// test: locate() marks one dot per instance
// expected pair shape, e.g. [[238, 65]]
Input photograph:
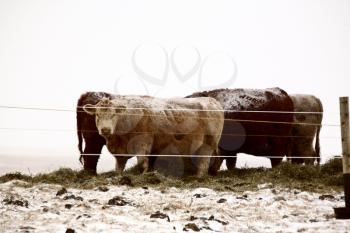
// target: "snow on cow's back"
[[193, 104], [245, 99]]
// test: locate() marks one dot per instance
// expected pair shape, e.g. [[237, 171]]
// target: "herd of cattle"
[[203, 129]]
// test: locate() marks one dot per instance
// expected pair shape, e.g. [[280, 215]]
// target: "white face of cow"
[[106, 116]]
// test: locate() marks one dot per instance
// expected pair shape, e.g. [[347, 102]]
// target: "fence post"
[[344, 213]]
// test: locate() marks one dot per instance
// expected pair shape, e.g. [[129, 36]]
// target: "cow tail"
[[79, 132], [317, 143]]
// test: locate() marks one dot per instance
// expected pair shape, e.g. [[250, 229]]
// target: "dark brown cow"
[[87, 131], [253, 124]]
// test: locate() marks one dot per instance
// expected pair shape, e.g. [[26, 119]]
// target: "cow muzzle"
[[106, 132]]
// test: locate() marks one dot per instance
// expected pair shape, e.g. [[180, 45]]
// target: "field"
[[289, 198]]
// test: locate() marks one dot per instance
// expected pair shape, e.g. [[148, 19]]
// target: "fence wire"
[[79, 109], [163, 155], [190, 133], [156, 109], [226, 119]]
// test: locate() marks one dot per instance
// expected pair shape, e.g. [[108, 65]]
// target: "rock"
[[244, 197], [69, 230], [118, 201], [280, 198], [27, 228], [45, 209], [11, 201], [212, 218], [160, 215], [146, 188], [69, 197], [125, 180], [95, 201], [327, 197], [84, 215], [61, 192], [192, 218], [191, 226], [199, 195], [103, 189], [68, 206], [222, 200]]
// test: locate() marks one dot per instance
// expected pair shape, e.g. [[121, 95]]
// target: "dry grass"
[[307, 178]]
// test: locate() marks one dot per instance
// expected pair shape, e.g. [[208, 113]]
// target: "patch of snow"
[[266, 210]]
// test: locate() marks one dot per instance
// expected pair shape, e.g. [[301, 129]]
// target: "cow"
[[257, 122], [308, 114], [143, 125], [87, 131]]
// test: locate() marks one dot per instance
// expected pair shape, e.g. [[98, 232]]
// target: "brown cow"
[[87, 131], [255, 123], [307, 126], [142, 125]]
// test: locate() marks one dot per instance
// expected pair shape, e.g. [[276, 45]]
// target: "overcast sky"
[[52, 51]]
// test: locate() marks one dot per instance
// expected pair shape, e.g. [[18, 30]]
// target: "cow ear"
[[89, 109], [120, 109]]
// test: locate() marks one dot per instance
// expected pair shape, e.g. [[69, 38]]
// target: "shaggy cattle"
[[143, 125], [306, 128], [256, 123], [87, 131]]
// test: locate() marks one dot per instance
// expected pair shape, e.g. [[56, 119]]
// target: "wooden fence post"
[[344, 213]]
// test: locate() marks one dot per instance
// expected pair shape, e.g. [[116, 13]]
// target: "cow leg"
[[276, 158], [310, 156], [151, 162], [297, 160], [188, 166], [215, 163], [230, 161], [295, 155], [92, 151], [202, 163], [275, 162], [143, 163], [120, 163], [141, 145]]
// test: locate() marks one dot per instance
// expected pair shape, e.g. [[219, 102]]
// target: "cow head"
[[106, 115]]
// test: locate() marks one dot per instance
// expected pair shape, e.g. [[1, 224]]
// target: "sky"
[[53, 51]]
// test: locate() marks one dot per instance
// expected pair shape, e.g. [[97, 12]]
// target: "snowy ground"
[[48, 208]]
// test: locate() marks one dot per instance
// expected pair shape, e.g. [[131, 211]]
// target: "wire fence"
[[199, 110], [168, 133], [156, 109], [79, 109], [162, 155]]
